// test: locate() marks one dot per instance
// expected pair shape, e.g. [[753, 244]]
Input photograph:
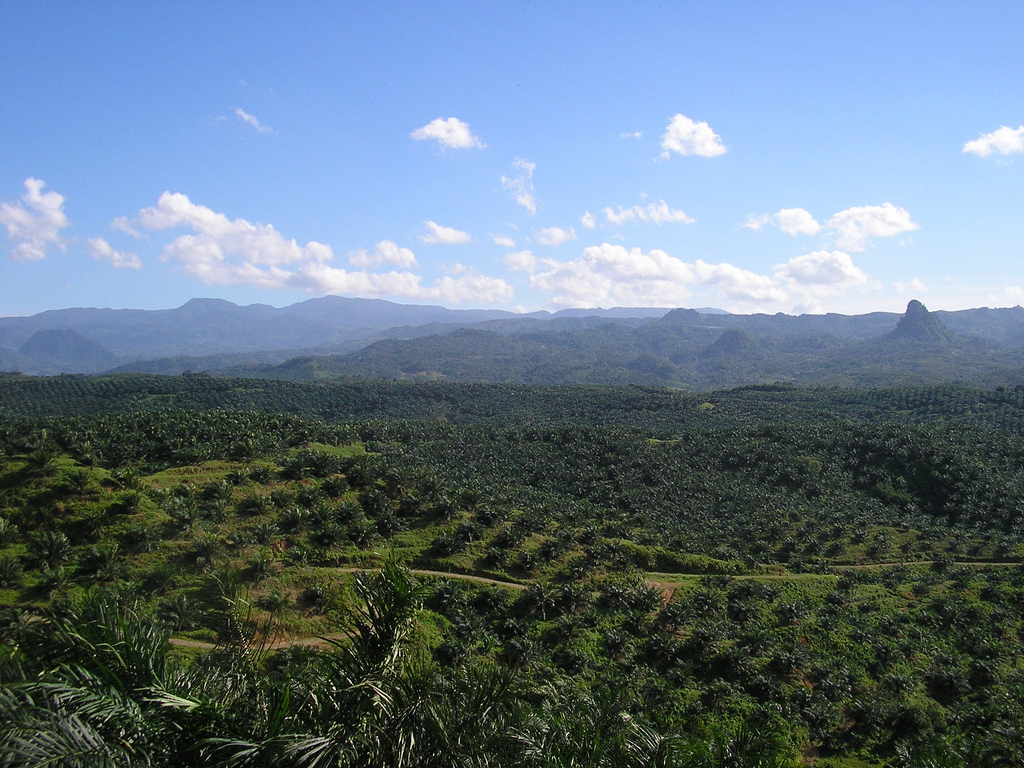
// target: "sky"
[[755, 157]]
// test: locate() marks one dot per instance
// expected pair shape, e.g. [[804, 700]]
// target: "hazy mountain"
[[205, 330], [690, 349], [336, 336]]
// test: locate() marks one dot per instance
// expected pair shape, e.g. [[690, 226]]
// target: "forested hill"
[[753, 577], [638, 407], [761, 576], [696, 351], [212, 333]]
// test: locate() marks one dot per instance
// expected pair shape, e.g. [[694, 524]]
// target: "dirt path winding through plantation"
[[322, 641], [660, 582]]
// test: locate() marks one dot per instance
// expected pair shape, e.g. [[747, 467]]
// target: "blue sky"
[[758, 157]]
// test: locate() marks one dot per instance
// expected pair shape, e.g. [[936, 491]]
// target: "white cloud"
[[656, 213], [218, 241], [503, 241], [321, 279], [633, 135], [556, 236], [588, 221], [792, 221], [448, 133], [439, 235], [687, 137], [101, 250], [520, 184], [608, 274], [1003, 140], [521, 261], [824, 272], [221, 251], [856, 226], [385, 252], [34, 224], [739, 284], [245, 117], [853, 227]]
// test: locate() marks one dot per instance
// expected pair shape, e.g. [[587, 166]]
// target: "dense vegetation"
[[207, 571], [694, 351]]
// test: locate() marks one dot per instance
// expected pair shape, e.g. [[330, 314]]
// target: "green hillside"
[[589, 576]]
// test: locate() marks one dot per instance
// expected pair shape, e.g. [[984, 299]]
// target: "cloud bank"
[[607, 274], [222, 251]]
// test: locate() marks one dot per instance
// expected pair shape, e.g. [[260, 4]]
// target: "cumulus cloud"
[[245, 117], [322, 279], [823, 271], [219, 241], [1004, 140], [503, 241], [610, 274], [34, 224], [631, 135], [222, 251], [448, 133], [588, 221], [656, 213], [555, 236], [853, 228], [856, 226], [688, 137], [385, 252], [792, 221], [439, 235], [739, 284], [520, 184], [521, 261], [101, 250]]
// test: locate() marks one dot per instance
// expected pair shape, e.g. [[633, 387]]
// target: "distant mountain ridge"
[[335, 336], [688, 349], [214, 327]]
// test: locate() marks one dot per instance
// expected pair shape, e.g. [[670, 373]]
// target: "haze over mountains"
[[335, 336], [212, 327]]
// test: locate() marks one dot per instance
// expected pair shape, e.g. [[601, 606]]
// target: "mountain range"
[[691, 348], [211, 333]]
